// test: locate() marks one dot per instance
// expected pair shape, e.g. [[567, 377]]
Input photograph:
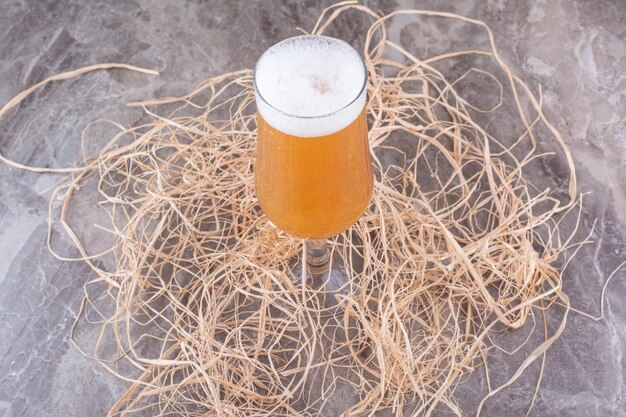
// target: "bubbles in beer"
[[310, 85]]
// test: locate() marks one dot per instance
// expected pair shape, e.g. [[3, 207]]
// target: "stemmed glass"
[[313, 170]]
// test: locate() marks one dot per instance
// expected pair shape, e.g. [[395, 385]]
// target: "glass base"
[[329, 285], [326, 274]]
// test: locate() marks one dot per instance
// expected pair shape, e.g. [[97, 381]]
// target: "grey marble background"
[[574, 48]]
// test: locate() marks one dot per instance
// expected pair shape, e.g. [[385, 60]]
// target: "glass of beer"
[[313, 170]]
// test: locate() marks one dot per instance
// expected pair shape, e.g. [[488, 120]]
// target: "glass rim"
[[321, 116]]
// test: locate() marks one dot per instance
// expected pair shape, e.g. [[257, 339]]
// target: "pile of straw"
[[201, 313]]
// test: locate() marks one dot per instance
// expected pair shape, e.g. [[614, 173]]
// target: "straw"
[[202, 312]]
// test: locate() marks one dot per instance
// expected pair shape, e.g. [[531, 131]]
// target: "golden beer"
[[314, 187]]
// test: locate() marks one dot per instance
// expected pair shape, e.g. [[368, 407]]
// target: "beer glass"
[[313, 171]]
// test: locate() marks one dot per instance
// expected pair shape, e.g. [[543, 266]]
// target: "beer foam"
[[310, 85]]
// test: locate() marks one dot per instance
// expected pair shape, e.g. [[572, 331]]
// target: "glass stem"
[[317, 259]]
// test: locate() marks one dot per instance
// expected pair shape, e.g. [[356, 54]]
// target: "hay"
[[201, 304]]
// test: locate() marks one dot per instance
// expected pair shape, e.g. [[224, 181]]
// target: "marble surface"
[[574, 48]]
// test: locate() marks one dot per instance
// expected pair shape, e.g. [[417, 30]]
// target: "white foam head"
[[310, 85]]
